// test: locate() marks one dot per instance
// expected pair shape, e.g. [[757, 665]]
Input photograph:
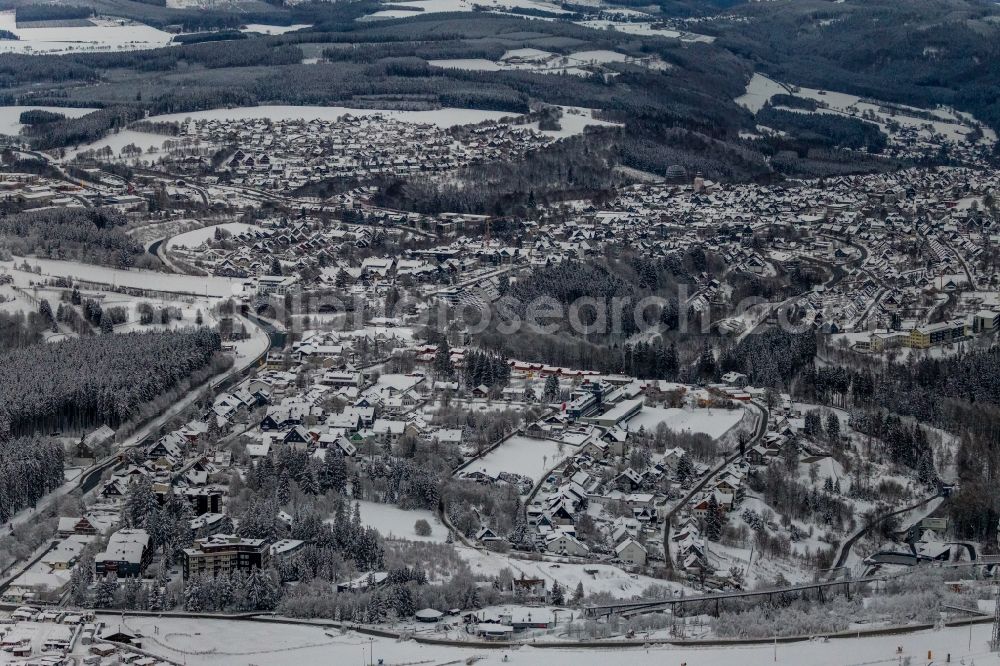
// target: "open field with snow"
[[196, 237], [647, 29], [712, 422], [140, 279], [395, 523], [118, 140], [522, 455], [10, 122], [200, 642], [574, 120], [418, 7], [468, 64], [274, 29], [760, 90], [152, 143], [581, 63], [106, 34], [946, 122]]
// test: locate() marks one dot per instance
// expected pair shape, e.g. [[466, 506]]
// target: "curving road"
[[668, 519], [847, 544]]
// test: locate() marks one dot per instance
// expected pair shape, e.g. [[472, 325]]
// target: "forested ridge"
[[919, 52], [82, 383]]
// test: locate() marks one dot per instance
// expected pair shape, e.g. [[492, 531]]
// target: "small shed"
[[428, 615]]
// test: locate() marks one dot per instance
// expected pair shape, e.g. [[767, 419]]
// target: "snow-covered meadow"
[[444, 118], [951, 124], [393, 522], [596, 578], [195, 237], [104, 34], [712, 422], [410, 8], [524, 456], [647, 29], [140, 279], [264, 29], [10, 116]]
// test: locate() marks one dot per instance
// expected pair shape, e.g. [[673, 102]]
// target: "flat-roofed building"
[[224, 553]]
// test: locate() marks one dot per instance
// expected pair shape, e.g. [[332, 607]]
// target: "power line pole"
[[995, 641]]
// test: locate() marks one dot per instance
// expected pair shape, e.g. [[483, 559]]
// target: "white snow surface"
[[274, 29], [107, 34], [647, 29], [759, 90], [522, 455], [10, 116], [118, 140], [195, 237], [712, 422], [140, 279], [395, 523], [203, 642], [595, 577], [418, 7]]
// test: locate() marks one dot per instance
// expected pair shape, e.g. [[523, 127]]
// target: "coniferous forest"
[[105, 379], [30, 467]]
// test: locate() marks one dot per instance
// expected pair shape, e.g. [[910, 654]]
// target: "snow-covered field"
[[11, 301], [469, 64], [522, 455], [395, 523], [760, 90], [447, 117], [573, 121], [274, 29], [443, 118], [196, 237], [201, 642], [712, 422], [545, 62], [418, 7], [118, 140], [107, 34], [948, 123], [10, 116], [140, 279], [647, 29]]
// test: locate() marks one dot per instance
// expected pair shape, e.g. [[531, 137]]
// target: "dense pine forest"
[[93, 235], [30, 467], [82, 383]]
